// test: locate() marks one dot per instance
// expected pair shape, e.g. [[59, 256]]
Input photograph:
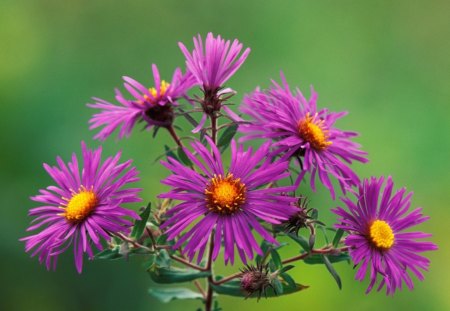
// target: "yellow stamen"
[[225, 195], [80, 205], [313, 131], [381, 234], [162, 90]]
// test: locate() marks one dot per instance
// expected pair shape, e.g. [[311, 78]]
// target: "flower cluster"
[[214, 207]]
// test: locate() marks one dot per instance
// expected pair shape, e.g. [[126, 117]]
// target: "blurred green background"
[[387, 62]]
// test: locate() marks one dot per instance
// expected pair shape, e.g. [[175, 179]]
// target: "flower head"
[[213, 64], [153, 105], [300, 130], [376, 223], [229, 203], [81, 208], [256, 279]]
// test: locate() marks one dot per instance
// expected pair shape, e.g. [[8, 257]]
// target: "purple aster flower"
[[376, 223], [300, 130], [225, 204], [81, 208], [153, 105], [212, 65]]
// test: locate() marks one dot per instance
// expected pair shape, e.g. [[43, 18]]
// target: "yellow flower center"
[[80, 205], [381, 234], [225, 195], [313, 131], [162, 90]]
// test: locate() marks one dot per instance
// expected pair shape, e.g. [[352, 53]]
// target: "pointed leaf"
[[288, 279], [300, 240], [176, 275], [233, 288], [332, 271], [162, 259], [169, 153], [109, 254], [183, 157], [276, 283], [188, 117], [227, 136], [139, 225], [168, 294], [318, 258], [337, 237]]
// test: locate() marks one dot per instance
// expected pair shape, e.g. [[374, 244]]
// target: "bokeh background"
[[387, 62]]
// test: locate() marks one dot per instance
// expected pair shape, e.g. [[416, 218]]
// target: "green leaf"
[[276, 258], [312, 241], [169, 153], [227, 136], [162, 259], [188, 117], [176, 275], [183, 157], [148, 264], [332, 271], [276, 283], [286, 268], [168, 294], [216, 306], [314, 214], [267, 247], [324, 234], [109, 254], [300, 240], [288, 279], [233, 288], [318, 258], [155, 131], [337, 237], [139, 225]]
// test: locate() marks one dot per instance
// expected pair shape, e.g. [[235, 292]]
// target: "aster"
[[225, 204], [154, 105], [377, 239], [82, 208], [300, 130], [212, 65]]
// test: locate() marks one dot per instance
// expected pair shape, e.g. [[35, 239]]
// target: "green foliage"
[[109, 254], [233, 288], [226, 137], [332, 271], [169, 275], [140, 224], [300, 240], [337, 237], [168, 294], [183, 157], [318, 258]]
